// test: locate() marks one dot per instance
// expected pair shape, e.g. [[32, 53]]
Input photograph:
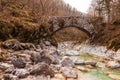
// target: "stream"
[[96, 53], [70, 61]]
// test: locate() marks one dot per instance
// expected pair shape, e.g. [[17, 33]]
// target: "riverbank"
[[67, 62], [86, 47]]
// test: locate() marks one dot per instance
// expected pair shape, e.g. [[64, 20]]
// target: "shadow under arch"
[[74, 26]]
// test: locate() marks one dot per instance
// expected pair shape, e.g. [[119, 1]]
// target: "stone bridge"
[[82, 23]]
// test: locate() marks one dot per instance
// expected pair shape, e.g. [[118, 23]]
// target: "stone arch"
[[78, 27]]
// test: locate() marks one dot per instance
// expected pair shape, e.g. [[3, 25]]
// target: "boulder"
[[82, 68], [55, 57], [90, 62], [3, 55], [55, 68], [67, 62], [47, 43], [9, 77], [11, 44], [18, 62], [79, 62], [27, 46], [16, 45], [10, 70], [5, 66], [21, 73], [113, 64], [58, 77], [100, 64], [26, 57], [41, 57], [69, 73], [114, 76], [41, 68], [37, 77]]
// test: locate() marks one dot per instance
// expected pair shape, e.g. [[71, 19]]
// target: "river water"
[[88, 48], [99, 72]]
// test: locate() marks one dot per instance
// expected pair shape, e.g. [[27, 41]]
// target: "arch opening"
[[71, 33]]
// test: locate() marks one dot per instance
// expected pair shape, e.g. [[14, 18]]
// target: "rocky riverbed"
[[69, 61]]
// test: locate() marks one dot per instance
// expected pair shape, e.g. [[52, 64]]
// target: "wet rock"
[[114, 76], [9, 77], [41, 68], [72, 53], [41, 57], [69, 73], [66, 62], [113, 64], [21, 73], [82, 68], [90, 62], [18, 62]]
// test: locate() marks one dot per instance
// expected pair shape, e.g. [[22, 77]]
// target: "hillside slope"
[[108, 35]]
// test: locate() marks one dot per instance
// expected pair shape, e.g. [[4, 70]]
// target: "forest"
[[108, 10]]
